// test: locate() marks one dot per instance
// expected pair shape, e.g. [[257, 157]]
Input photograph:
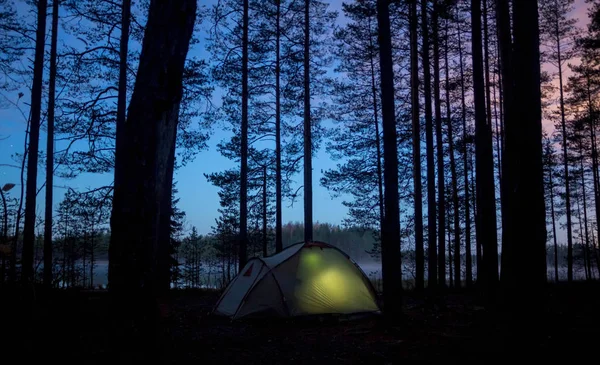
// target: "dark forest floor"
[[74, 327]]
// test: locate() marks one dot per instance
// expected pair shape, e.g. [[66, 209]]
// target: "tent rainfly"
[[304, 279]]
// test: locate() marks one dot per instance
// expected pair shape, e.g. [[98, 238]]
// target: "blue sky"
[[199, 199]]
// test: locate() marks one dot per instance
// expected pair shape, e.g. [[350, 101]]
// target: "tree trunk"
[[12, 274], [563, 124], [243, 240], [508, 101], [594, 148], [390, 245], [142, 180], [163, 270], [377, 141], [120, 141], [431, 207], [524, 226], [27, 274], [416, 136], [468, 255], [455, 203], [50, 150], [278, 206], [92, 258], [264, 213], [553, 227], [486, 60], [586, 256], [4, 234], [440, 149], [308, 218], [582, 243], [84, 257], [485, 224]]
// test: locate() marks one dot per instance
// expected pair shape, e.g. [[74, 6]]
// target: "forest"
[[461, 142]]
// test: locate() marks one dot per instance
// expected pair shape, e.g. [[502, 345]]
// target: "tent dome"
[[303, 279]]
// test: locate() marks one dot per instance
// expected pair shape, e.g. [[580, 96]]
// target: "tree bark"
[[431, 204], [586, 256], [485, 224], [27, 274], [553, 227], [278, 205], [142, 180], [508, 100], [453, 176], [265, 241], [390, 245], [243, 240], [50, 150], [377, 140], [440, 149], [468, 254], [308, 211], [416, 141], [594, 148]]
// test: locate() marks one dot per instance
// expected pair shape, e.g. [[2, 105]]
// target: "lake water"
[[371, 269]]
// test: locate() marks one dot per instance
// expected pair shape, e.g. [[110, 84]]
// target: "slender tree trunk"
[[390, 245], [120, 142], [506, 66], [594, 148], [485, 223], [244, 148], [581, 238], [586, 256], [50, 150], [308, 211], [497, 122], [431, 204], [27, 274], [553, 227], [264, 213], [453, 175], [486, 60], [563, 125], [450, 272], [440, 148], [92, 258], [416, 140], [468, 255], [84, 257], [278, 206], [4, 234], [12, 274], [377, 140]]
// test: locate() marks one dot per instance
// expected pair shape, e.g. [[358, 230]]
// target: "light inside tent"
[[329, 283]]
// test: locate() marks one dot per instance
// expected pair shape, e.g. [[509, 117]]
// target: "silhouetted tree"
[[431, 204], [34, 140], [141, 170], [50, 149], [390, 245], [485, 195], [556, 32]]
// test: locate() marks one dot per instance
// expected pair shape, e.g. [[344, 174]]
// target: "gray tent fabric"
[[304, 279]]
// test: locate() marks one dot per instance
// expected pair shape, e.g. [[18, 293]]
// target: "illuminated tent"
[[304, 279]]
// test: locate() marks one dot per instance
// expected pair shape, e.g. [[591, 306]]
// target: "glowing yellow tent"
[[304, 279]]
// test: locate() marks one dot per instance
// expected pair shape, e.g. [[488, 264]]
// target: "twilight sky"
[[198, 198]]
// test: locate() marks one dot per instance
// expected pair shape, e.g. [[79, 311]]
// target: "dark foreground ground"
[[74, 327]]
